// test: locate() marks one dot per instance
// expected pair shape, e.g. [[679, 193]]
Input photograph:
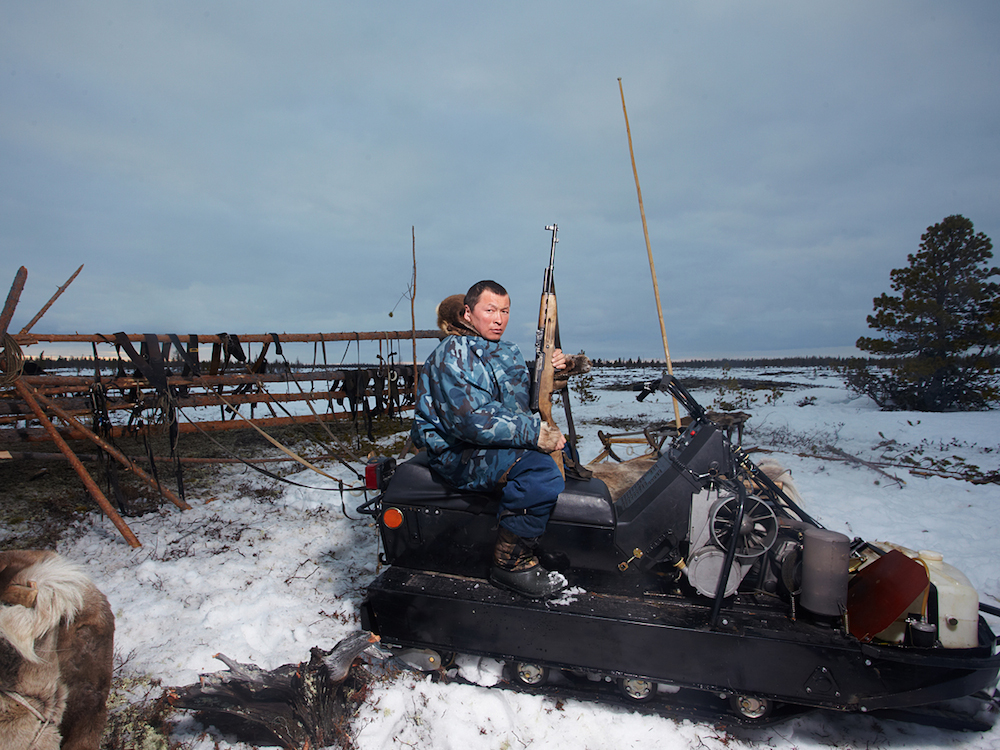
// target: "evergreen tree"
[[941, 332]]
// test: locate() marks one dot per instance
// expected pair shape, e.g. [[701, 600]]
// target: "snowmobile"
[[704, 578]]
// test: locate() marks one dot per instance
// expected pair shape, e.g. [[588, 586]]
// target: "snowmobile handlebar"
[[669, 384], [647, 387]]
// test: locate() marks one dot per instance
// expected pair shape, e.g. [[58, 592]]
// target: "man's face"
[[490, 315]]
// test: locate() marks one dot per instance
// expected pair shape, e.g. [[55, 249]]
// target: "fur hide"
[[56, 654], [782, 477], [619, 477], [451, 316]]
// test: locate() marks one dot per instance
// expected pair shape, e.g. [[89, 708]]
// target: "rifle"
[[545, 342]]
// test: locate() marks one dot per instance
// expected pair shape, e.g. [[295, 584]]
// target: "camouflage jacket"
[[472, 413]]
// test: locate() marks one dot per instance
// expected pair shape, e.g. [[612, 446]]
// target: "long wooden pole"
[[32, 435], [649, 252], [48, 304], [111, 450], [253, 425], [413, 314], [12, 297], [88, 481], [251, 338]]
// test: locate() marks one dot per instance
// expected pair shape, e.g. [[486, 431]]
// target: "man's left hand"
[[558, 359]]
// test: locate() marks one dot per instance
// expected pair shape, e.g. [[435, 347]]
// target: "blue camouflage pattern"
[[472, 413]]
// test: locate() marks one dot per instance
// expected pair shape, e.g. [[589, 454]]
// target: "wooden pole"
[[268, 438], [30, 435], [12, 297], [48, 304], [649, 252], [246, 338], [78, 467], [36, 456], [112, 451], [413, 315], [63, 383]]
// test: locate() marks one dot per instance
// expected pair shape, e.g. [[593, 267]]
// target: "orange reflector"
[[392, 518]]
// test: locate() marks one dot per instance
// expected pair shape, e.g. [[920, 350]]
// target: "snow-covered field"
[[263, 571]]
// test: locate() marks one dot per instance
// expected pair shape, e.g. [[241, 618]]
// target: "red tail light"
[[378, 471]]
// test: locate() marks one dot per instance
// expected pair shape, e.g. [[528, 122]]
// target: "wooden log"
[[79, 406], [299, 705], [207, 381]]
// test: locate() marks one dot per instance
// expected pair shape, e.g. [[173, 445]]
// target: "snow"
[[262, 572]]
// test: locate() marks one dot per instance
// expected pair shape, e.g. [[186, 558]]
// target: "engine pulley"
[[756, 533]]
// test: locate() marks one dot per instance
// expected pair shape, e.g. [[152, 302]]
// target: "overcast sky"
[[257, 166]]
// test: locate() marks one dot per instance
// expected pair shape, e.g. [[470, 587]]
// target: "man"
[[473, 417]]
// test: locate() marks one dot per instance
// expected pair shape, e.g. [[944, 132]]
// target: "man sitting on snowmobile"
[[473, 417]]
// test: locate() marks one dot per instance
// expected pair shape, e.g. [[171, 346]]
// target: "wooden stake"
[[649, 252]]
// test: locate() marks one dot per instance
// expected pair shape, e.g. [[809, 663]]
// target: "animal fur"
[[782, 477], [56, 657], [451, 316], [619, 477]]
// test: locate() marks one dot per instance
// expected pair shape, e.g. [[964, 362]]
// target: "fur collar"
[[451, 317]]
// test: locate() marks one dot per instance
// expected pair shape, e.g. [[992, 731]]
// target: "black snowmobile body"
[[796, 621]]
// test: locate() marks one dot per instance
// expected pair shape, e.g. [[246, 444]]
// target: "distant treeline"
[[829, 362], [81, 363], [834, 363]]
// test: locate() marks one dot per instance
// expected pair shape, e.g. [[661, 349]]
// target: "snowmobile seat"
[[586, 502], [414, 484]]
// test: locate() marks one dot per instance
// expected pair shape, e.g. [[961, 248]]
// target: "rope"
[[340, 488], [43, 723], [340, 482], [13, 361]]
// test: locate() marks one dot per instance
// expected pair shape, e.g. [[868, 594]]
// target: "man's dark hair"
[[476, 290]]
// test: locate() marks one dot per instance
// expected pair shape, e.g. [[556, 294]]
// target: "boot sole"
[[524, 592]]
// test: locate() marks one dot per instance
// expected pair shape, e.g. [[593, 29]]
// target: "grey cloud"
[[259, 167]]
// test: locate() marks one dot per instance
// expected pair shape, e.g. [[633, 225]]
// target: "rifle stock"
[[545, 343]]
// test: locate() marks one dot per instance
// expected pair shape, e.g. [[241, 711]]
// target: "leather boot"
[[516, 567]]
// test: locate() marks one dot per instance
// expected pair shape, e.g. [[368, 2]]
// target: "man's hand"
[[558, 359], [550, 439]]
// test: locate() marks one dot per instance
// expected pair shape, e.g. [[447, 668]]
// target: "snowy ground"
[[263, 571]]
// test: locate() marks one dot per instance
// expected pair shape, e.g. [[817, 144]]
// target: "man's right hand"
[[550, 439]]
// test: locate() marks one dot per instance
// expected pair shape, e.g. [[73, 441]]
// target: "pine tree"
[[941, 332]]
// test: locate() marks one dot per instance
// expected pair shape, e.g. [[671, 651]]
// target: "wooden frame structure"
[[102, 407]]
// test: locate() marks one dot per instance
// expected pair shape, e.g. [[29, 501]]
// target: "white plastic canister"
[[958, 602]]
